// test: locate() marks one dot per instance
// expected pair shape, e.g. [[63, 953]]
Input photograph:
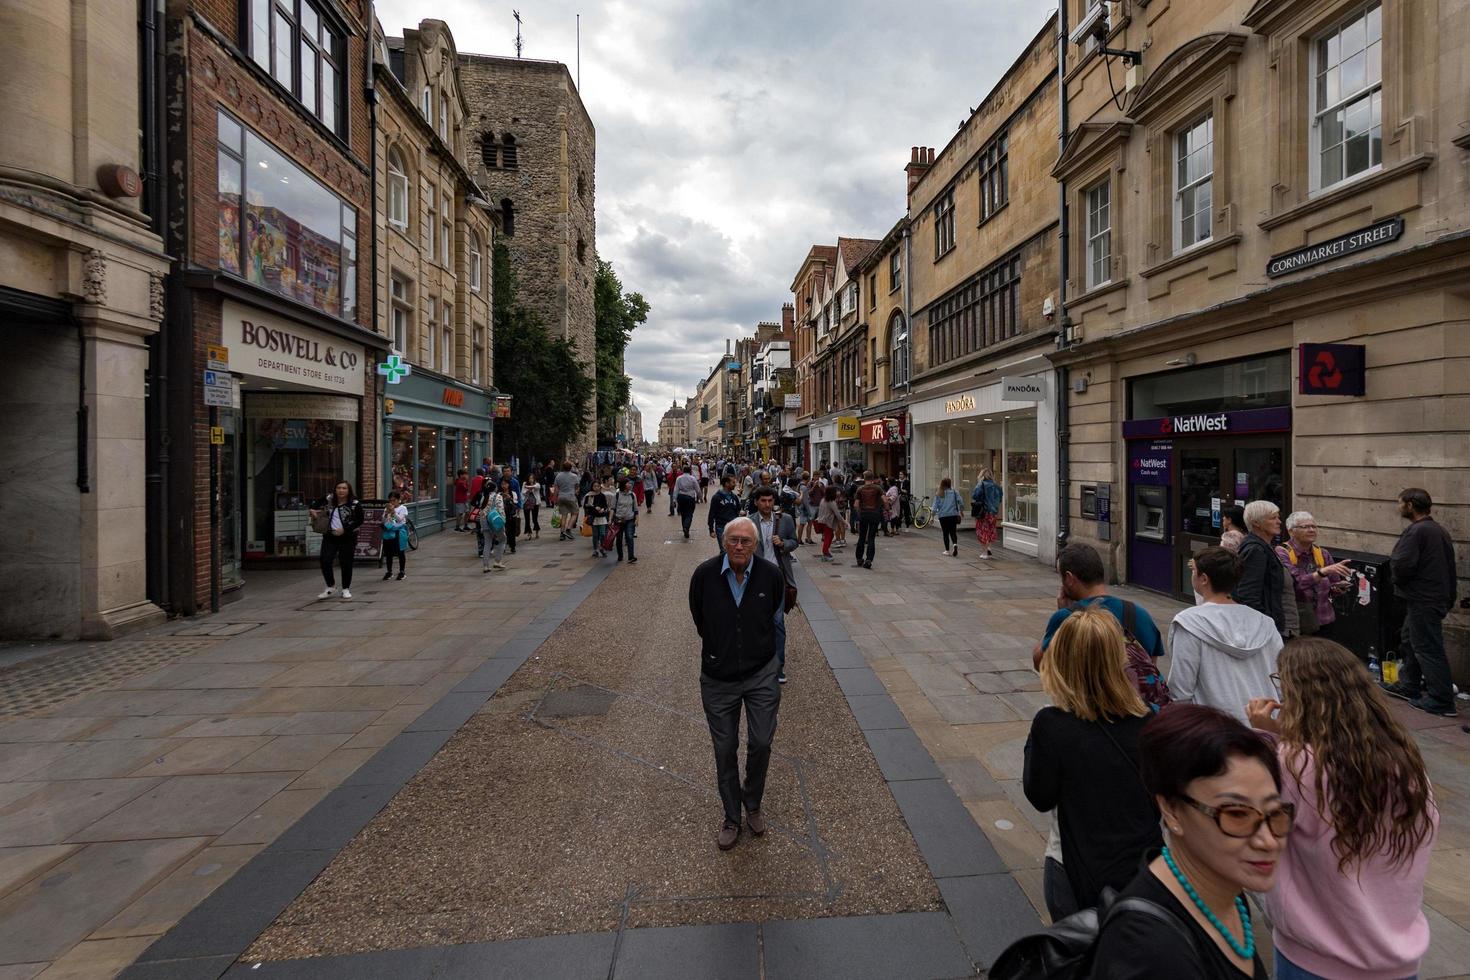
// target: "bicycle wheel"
[[921, 519], [413, 536]]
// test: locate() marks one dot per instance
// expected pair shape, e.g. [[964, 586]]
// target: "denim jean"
[[625, 533], [1422, 646], [494, 547], [868, 535]]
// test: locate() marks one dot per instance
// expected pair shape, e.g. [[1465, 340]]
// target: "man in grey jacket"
[[775, 541], [1222, 654], [1423, 564]]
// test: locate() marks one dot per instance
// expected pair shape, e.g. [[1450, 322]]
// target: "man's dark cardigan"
[[737, 640]]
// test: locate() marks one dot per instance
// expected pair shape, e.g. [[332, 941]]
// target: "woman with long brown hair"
[[1082, 761], [1348, 900]]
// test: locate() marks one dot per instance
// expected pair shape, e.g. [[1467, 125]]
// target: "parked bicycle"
[[923, 514]]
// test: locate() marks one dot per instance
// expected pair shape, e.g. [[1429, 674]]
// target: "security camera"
[[1094, 24]]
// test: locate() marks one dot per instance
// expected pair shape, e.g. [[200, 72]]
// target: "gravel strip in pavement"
[[582, 798]]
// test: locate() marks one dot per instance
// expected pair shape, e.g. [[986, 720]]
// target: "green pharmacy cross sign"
[[395, 369]]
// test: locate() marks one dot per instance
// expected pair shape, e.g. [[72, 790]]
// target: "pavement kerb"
[[216, 932], [971, 876]]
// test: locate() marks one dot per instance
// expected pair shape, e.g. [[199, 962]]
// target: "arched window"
[[508, 151], [397, 190], [475, 261], [581, 251], [489, 151], [507, 217], [426, 103], [898, 357]]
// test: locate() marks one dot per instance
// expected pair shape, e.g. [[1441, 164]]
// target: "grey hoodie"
[[1222, 655]]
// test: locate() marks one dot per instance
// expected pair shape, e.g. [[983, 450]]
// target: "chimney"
[[921, 158], [788, 321]]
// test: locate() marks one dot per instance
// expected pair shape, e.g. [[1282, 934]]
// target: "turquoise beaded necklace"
[[1246, 950]]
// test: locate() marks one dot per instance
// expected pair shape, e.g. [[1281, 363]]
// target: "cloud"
[[734, 134]]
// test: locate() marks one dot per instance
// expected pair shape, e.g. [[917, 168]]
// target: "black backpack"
[[1064, 950]]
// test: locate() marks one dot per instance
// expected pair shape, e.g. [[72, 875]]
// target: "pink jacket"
[[1365, 924]]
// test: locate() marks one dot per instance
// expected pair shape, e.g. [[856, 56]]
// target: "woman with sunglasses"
[[1349, 897], [1218, 785]]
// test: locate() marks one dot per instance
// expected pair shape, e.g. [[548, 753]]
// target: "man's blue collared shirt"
[[737, 589]]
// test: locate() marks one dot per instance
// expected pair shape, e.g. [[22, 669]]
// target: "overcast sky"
[[734, 134]]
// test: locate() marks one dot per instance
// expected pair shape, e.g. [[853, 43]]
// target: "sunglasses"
[[1240, 820]]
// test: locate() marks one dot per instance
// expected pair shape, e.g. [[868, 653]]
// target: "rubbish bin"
[[1377, 624]]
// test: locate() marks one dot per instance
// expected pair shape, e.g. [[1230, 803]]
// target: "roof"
[[854, 250]]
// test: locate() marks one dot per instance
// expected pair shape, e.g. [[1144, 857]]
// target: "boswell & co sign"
[[1354, 241]]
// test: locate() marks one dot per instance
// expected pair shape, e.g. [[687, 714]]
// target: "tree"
[[618, 314], [542, 374]]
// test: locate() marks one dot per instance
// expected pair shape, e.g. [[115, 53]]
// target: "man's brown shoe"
[[756, 822], [729, 834]]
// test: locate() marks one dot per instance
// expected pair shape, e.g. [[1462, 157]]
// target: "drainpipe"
[[1063, 379], [370, 95], [151, 101], [908, 325]]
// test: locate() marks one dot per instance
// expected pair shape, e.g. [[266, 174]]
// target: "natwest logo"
[[1186, 424]]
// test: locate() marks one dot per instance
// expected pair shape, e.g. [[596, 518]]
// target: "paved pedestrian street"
[[509, 775]]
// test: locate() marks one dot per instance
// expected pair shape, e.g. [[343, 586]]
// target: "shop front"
[[285, 432], [961, 434], [1192, 451], [886, 439], [433, 427]]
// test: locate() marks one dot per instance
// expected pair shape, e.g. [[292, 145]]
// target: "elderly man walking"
[[734, 599]]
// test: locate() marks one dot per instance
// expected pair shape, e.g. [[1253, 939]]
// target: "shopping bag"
[[611, 537], [586, 530]]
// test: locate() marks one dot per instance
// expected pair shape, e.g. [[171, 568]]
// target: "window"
[[479, 355], [402, 311], [994, 168], [282, 29], [508, 158], [1099, 234], [446, 349], [280, 229], [489, 151], [943, 225], [446, 232], [444, 116], [852, 297], [426, 102], [873, 291], [898, 358], [429, 333], [431, 223], [895, 266], [397, 190], [1194, 168], [984, 311], [507, 217], [1347, 99], [581, 250], [475, 259]]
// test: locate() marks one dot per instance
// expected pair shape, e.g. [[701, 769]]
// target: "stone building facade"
[[81, 299], [534, 150], [673, 427], [434, 235], [883, 419], [982, 259], [1280, 175], [272, 145]]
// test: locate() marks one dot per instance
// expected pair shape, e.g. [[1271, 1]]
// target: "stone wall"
[[550, 189]]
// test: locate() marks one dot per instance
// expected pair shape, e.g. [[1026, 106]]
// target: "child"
[[594, 505], [395, 534]]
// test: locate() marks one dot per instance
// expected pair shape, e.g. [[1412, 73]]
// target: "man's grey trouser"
[[760, 695]]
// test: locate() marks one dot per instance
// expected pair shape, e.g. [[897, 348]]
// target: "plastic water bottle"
[[1374, 667]]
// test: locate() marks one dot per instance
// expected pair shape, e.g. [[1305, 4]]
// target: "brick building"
[[534, 150], [81, 297], [434, 233], [1272, 176], [270, 137]]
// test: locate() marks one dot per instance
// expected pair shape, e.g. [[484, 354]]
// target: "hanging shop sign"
[[502, 406], [1332, 369], [1210, 424], [1022, 390], [395, 369], [273, 347], [792, 400], [1354, 241], [847, 427]]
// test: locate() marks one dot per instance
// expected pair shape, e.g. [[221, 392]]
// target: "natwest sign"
[[1186, 424], [267, 346]]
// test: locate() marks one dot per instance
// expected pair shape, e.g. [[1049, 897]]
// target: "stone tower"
[[533, 149]]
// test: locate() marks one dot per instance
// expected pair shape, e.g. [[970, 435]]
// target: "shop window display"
[[1022, 499], [293, 461], [415, 461]]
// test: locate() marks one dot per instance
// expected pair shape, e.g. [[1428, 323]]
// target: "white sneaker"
[[499, 566], [347, 593], [945, 552], [327, 593]]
